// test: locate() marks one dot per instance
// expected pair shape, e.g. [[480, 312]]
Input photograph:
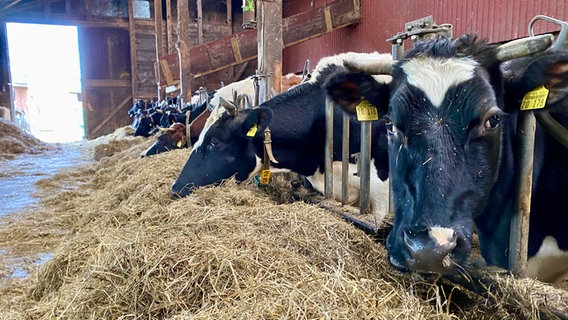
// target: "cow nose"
[[431, 249]]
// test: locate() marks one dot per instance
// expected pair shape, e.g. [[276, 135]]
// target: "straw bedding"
[[14, 141], [123, 249]]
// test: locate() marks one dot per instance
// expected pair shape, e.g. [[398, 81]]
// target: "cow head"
[[171, 138], [449, 104], [225, 149]]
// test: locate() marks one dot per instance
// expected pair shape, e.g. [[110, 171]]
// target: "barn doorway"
[[46, 80]]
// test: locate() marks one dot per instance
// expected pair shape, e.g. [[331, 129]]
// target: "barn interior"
[[88, 229]]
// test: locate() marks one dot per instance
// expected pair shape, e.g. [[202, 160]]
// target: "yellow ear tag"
[[264, 176], [366, 111], [252, 131], [180, 144], [535, 99]]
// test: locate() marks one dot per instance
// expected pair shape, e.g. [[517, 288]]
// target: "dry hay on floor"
[[14, 141], [123, 249], [121, 139]]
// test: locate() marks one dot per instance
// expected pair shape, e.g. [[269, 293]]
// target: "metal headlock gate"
[[415, 30], [425, 28]]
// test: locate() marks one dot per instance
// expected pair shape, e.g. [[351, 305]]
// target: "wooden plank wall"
[[496, 21]]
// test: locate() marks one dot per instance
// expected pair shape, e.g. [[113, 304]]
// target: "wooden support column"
[[183, 48], [231, 70], [169, 27], [159, 41], [199, 22], [133, 60], [269, 24]]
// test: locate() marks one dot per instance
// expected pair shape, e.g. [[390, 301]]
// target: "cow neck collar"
[[187, 128], [267, 150]]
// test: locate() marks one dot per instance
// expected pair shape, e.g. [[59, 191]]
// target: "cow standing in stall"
[[234, 144], [452, 119]]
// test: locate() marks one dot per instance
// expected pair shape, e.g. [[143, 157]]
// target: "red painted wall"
[[495, 20]]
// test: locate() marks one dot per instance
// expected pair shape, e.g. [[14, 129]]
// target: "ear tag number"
[[252, 131], [262, 179], [366, 111], [535, 99], [264, 176]]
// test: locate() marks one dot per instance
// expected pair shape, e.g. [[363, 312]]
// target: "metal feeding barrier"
[[414, 30], [518, 241], [425, 28]]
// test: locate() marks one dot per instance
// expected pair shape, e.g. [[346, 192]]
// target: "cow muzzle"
[[434, 250]]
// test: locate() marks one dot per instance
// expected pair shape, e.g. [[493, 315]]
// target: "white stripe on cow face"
[[435, 76]]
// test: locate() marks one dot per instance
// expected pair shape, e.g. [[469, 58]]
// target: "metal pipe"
[[397, 53], [552, 127], [519, 228], [365, 161], [345, 159], [328, 181]]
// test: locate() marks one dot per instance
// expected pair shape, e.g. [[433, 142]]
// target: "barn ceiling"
[[9, 6]]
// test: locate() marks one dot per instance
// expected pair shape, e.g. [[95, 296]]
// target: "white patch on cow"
[[435, 76], [442, 235], [550, 264], [379, 190], [245, 86]]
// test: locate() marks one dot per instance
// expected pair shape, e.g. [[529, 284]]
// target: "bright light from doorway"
[[46, 80]]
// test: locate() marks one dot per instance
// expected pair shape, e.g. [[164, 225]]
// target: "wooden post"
[[269, 23], [183, 47], [230, 32], [200, 22], [169, 27], [133, 60], [159, 41]]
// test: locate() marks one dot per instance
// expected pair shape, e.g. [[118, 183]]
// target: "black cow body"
[[454, 158], [296, 120]]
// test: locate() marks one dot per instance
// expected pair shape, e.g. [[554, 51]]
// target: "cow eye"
[[492, 122], [214, 142]]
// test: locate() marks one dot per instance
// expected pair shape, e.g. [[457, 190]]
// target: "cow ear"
[[256, 121], [347, 90], [524, 75]]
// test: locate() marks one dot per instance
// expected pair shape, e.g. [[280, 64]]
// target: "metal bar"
[[365, 161], [552, 127], [518, 239], [397, 53], [328, 181], [345, 159]]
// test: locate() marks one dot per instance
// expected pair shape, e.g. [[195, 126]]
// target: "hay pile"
[[14, 141], [123, 249]]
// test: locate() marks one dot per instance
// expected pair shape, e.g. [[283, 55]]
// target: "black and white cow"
[[454, 162], [296, 120]]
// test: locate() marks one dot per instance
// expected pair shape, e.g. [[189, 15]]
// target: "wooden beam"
[[158, 12], [231, 70], [200, 22], [230, 16], [133, 59], [269, 24], [183, 48], [87, 83], [169, 27], [218, 55]]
